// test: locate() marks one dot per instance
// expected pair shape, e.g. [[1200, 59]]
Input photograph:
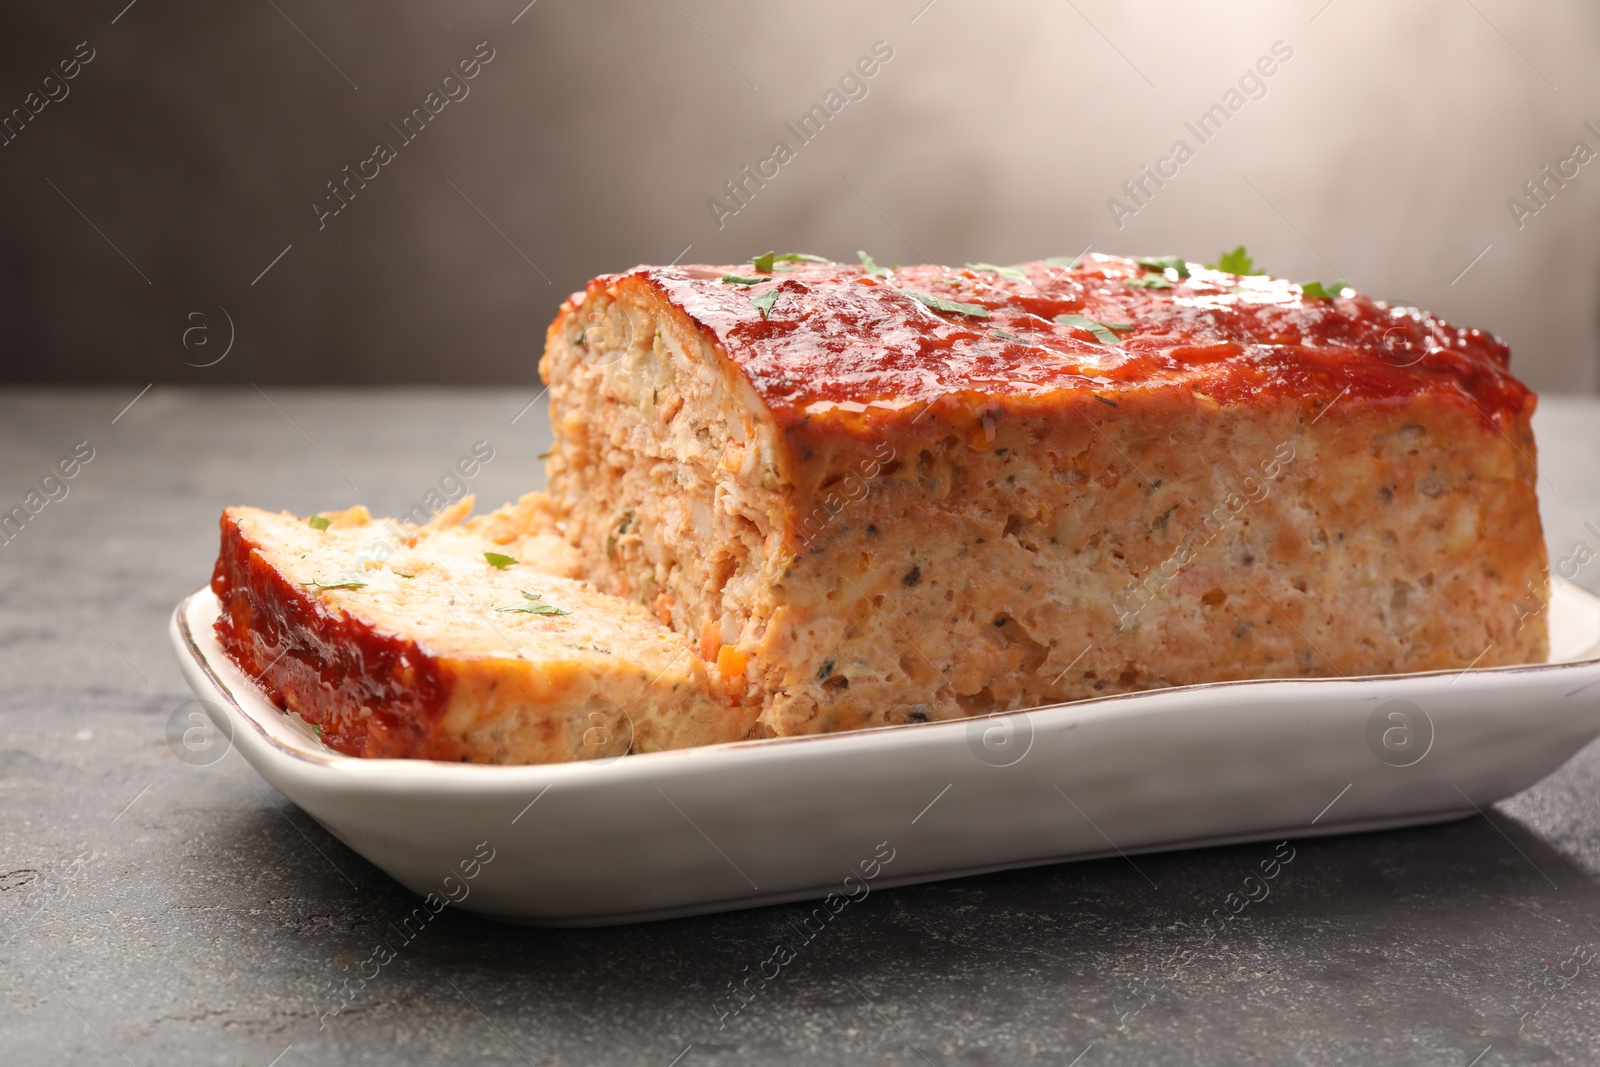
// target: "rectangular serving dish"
[[700, 830]]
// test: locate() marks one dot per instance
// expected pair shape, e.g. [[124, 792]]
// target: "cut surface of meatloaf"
[[872, 496], [391, 639]]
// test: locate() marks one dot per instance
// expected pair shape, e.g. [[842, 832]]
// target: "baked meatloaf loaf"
[[870, 496], [458, 640]]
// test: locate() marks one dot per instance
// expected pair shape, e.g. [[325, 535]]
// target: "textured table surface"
[[153, 912]]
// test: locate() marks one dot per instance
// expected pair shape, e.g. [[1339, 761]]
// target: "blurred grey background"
[[159, 204]]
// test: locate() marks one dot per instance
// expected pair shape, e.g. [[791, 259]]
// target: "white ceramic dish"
[[709, 829]]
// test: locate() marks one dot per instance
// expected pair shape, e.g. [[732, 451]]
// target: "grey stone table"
[[157, 913]]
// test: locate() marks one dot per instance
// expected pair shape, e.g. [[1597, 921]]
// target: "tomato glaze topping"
[[840, 336]]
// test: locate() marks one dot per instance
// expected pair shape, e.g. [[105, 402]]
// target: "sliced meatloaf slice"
[[466, 639]]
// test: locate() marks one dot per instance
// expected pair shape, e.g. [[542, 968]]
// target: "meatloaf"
[[465, 639], [868, 496]]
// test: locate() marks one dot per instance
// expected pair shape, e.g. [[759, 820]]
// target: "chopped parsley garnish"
[[1164, 263], [1236, 262], [1324, 292], [535, 606], [1102, 330], [1154, 281], [317, 522], [977, 311], [737, 279], [1070, 262], [1005, 272], [318, 731], [347, 584], [763, 263], [763, 301], [497, 560], [870, 265], [1001, 335]]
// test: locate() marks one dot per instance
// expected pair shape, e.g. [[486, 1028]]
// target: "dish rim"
[[339, 762]]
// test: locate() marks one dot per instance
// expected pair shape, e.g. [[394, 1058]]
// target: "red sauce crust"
[[839, 336], [371, 693]]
